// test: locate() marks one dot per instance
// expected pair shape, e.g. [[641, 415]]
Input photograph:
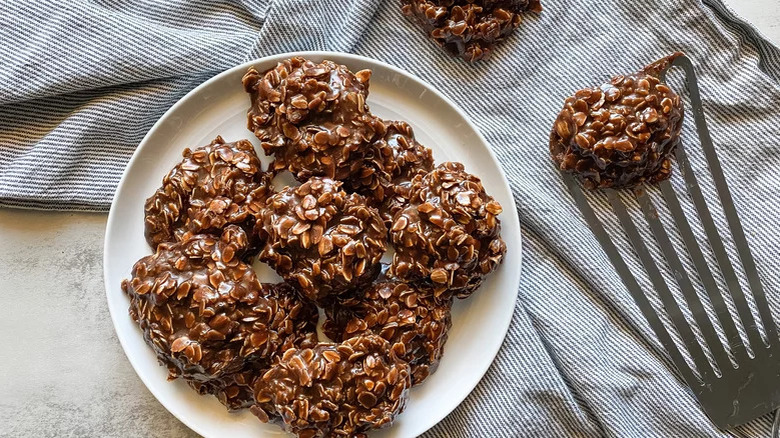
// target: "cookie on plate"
[[448, 235], [213, 186], [322, 240], [207, 316]]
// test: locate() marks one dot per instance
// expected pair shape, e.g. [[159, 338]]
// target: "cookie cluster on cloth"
[[469, 29]]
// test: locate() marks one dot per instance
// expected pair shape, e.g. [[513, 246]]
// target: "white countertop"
[[763, 14], [78, 382]]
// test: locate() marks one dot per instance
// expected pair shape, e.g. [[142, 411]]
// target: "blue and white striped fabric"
[[81, 82]]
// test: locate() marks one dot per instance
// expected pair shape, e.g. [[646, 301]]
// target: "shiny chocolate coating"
[[448, 236], [322, 240], [312, 117], [207, 316], [469, 28], [414, 322], [622, 133], [213, 186], [332, 390]]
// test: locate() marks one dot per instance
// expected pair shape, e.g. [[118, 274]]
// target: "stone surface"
[[763, 14], [63, 371]]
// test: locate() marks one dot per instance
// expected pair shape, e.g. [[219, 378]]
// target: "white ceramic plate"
[[219, 106]]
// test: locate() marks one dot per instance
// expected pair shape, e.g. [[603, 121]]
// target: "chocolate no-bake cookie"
[[213, 186], [622, 133], [469, 28], [207, 316], [321, 239], [391, 162], [409, 317], [312, 117], [335, 390], [449, 234]]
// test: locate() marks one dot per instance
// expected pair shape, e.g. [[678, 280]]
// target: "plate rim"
[[110, 223]]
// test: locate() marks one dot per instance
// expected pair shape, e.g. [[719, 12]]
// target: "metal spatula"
[[735, 394]]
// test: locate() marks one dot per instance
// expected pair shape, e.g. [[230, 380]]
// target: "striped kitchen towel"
[[82, 81]]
